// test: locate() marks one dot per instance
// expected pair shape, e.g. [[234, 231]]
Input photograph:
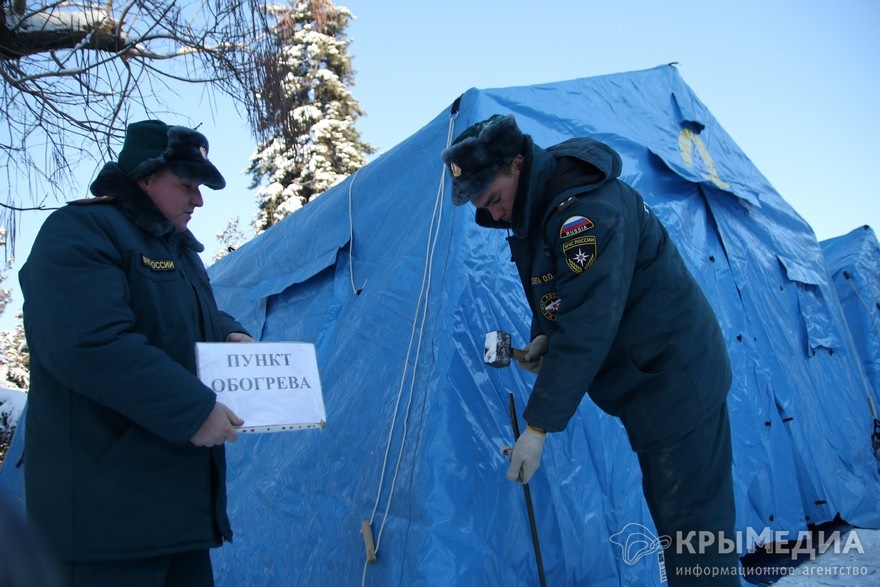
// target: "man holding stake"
[[615, 313]]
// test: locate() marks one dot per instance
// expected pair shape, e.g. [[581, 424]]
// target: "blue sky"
[[795, 83]]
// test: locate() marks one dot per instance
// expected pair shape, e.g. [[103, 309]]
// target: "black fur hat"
[[479, 153], [151, 145]]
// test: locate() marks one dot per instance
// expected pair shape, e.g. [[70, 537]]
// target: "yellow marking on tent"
[[688, 140]]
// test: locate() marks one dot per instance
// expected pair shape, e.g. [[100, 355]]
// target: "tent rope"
[[418, 324]]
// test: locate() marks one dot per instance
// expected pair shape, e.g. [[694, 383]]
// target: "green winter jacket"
[[114, 302], [625, 319]]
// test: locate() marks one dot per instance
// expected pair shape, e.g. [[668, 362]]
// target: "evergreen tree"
[[14, 373], [14, 356], [308, 141]]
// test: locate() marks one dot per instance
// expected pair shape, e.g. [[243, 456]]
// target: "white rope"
[[351, 238], [418, 324]]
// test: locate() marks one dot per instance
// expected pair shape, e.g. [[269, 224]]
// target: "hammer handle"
[[518, 354]]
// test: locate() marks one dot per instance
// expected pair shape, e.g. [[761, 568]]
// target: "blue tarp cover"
[[854, 262]]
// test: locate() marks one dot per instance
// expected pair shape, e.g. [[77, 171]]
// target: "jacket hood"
[[598, 155]]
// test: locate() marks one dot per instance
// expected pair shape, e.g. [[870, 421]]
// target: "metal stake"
[[528, 494]]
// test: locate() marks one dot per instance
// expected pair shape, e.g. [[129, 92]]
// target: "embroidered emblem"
[[158, 264], [575, 225], [580, 253], [204, 152], [550, 305], [455, 169]]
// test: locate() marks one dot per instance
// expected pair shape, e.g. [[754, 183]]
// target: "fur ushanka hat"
[[151, 145], [479, 153]]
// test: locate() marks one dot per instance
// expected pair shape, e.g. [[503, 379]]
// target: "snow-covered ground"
[[853, 560]]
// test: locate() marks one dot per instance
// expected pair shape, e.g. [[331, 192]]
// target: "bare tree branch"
[[72, 69]]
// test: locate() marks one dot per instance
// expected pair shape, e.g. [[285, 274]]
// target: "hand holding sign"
[[218, 427], [271, 385]]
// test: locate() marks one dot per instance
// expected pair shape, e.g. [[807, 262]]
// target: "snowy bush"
[[11, 405]]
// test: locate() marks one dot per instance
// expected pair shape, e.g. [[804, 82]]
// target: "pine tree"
[[14, 357], [14, 373], [307, 113]]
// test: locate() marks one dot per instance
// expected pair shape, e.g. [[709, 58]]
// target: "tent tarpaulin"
[[397, 288], [854, 262]]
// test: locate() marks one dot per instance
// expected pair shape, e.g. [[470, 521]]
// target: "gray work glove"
[[534, 354], [525, 457]]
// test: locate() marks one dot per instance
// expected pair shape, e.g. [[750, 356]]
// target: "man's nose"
[[197, 200]]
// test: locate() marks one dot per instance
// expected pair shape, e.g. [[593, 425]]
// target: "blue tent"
[[397, 288], [854, 262]]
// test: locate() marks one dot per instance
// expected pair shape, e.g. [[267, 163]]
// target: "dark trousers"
[[688, 486], [185, 569]]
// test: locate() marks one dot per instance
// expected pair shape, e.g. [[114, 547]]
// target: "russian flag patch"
[[575, 225]]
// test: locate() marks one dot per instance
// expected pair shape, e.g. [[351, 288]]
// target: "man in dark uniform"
[[616, 314], [125, 471]]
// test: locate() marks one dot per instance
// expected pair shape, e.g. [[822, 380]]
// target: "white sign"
[[270, 385]]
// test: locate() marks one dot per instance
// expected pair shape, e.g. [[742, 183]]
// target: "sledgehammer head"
[[497, 349]]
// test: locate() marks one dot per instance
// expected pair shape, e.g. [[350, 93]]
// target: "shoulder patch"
[[90, 201], [575, 225], [550, 305], [580, 253]]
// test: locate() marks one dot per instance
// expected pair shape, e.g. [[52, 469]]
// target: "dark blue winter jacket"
[[626, 320], [114, 302]]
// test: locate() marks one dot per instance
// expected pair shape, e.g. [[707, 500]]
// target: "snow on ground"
[[853, 560]]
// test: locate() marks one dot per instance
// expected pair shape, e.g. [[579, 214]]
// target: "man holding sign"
[[125, 470]]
